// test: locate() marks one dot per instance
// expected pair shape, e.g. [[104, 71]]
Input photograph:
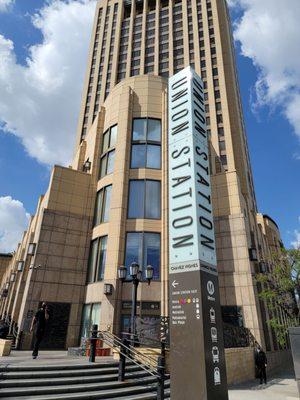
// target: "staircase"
[[77, 381]]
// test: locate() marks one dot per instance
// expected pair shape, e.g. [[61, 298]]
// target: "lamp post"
[[136, 275]]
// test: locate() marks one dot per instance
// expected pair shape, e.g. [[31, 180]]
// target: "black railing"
[[237, 336], [128, 352]]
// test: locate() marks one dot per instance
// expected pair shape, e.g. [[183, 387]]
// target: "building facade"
[[110, 207]]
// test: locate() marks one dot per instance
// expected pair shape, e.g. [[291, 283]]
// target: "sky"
[[43, 53]]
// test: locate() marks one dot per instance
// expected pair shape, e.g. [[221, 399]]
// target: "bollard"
[[93, 343], [161, 367], [122, 362]]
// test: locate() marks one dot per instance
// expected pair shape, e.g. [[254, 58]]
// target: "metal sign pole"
[[198, 368]]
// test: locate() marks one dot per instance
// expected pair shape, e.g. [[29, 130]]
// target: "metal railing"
[[128, 352]]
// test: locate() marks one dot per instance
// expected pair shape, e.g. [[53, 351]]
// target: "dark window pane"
[[98, 208], [103, 166], [154, 130], [110, 162], [92, 260], [152, 252], [136, 199], [101, 258], [153, 156], [134, 249], [139, 129], [138, 156], [152, 199]]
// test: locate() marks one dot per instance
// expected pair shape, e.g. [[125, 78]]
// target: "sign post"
[[198, 370]]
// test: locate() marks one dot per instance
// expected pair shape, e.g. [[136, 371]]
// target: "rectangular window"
[[90, 316], [144, 199], [143, 248], [97, 259], [102, 205], [146, 143], [108, 156]]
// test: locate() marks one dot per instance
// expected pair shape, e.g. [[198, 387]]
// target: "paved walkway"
[[281, 386]]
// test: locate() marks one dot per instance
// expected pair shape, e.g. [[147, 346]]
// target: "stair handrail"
[[130, 353]]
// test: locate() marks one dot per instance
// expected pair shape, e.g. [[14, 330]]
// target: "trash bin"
[[5, 347]]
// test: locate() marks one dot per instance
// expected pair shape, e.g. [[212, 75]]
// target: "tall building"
[[110, 207]]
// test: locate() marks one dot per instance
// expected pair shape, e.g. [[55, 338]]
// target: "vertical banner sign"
[[198, 370]]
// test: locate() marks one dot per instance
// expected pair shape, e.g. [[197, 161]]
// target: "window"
[[102, 205], [144, 199], [108, 154], [97, 258], [143, 248], [90, 316], [146, 143]]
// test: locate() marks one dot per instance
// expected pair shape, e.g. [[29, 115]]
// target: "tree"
[[279, 287]]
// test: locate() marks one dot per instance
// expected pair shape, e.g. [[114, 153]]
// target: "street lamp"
[[136, 275]]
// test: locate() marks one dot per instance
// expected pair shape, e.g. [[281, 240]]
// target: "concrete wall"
[[240, 363]]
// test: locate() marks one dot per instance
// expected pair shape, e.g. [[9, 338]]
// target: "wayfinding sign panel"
[[197, 350]]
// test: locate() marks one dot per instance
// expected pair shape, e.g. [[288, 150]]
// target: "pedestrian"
[[4, 329], [261, 364], [39, 322]]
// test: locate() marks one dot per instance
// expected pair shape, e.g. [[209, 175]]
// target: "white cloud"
[[40, 102], [296, 242], [5, 4], [13, 221], [269, 35]]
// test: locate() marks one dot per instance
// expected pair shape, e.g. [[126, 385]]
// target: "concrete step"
[[59, 373], [124, 391], [14, 383], [57, 367]]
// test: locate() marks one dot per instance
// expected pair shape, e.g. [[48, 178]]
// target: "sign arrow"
[[174, 284]]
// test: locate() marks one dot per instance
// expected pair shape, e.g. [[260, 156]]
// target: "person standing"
[[261, 364], [39, 322]]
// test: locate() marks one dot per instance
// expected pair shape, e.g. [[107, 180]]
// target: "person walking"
[[39, 322], [261, 364]]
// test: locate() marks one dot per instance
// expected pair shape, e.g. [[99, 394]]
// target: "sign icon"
[[210, 287], [214, 334], [217, 376], [175, 284], [215, 354], [212, 315]]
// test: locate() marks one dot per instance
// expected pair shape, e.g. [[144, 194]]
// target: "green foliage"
[[279, 287]]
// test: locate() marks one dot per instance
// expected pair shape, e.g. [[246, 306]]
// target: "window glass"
[[154, 130], [106, 205], [136, 199], [103, 166], [152, 199], [143, 248], [95, 314], [139, 129], [101, 258], [105, 143], [102, 205], [138, 156], [113, 136], [92, 260], [85, 325], [98, 206], [134, 248], [110, 162], [153, 157], [152, 252]]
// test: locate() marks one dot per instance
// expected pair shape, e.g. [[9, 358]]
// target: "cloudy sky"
[[43, 50]]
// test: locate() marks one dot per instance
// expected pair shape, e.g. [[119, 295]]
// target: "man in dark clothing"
[[261, 364], [4, 329], [39, 321]]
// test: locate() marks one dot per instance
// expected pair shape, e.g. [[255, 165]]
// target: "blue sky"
[[27, 154]]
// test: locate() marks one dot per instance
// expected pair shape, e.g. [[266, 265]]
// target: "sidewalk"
[[281, 386]]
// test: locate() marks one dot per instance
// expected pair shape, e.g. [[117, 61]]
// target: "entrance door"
[[57, 326]]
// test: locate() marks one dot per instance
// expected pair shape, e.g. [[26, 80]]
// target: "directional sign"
[[197, 351]]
